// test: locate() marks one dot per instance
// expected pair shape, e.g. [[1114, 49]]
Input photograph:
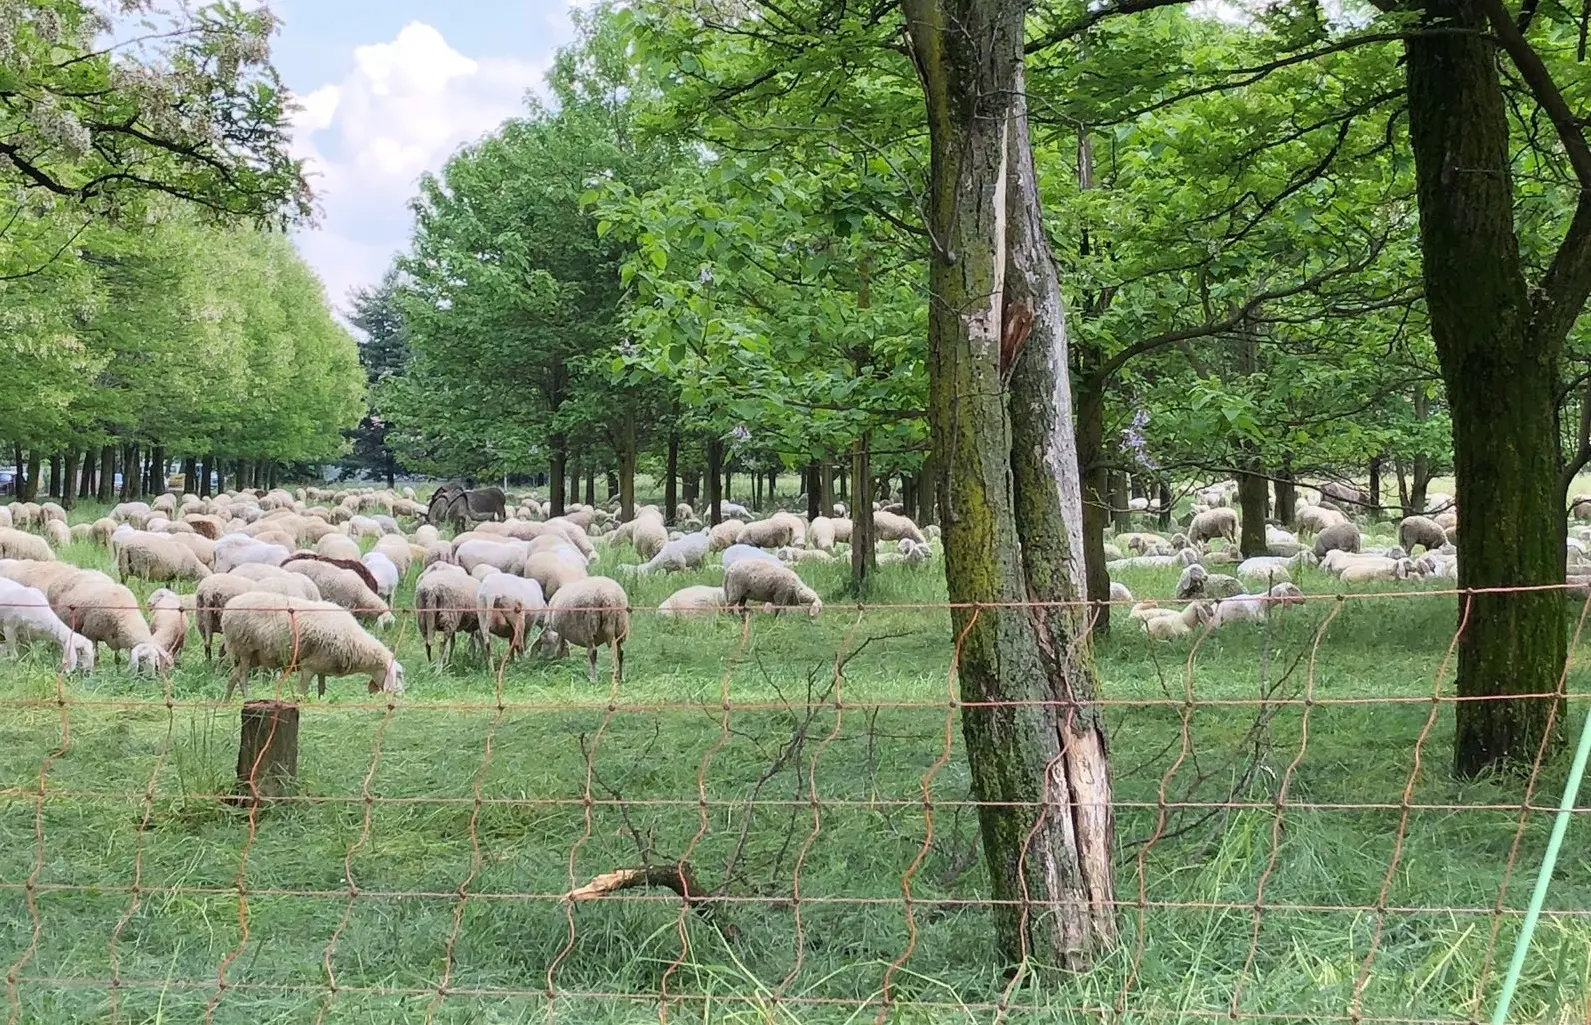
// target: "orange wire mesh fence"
[[773, 819]]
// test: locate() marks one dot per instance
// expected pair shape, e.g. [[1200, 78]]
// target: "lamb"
[[1214, 523], [217, 589], [1339, 537], [910, 553], [1255, 607], [1172, 625], [107, 613], [444, 601], [589, 613], [17, 544], [386, 573], [25, 614], [168, 622], [1270, 567], [158, 560], [320, 639], [1186, 557], [1421, 530], [698, 602], [507, 606], [767, 580], [683, 553], [683, 511], [344, 587]]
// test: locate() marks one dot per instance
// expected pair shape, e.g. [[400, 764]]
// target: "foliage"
[[384, 353]]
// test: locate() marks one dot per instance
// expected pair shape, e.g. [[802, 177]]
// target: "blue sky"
[[390, 88]]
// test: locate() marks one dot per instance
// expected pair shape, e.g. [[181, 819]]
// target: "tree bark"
[[1375, 487], [1096, 491], [85, 484], [715, 481], [267, 751], [1501, 385], [107, 473], [814, 490], [207, 469], [557, 465], [863, 551], [69, 478], [626, 474], [1165, 504], [158, 457], [1253, 493], [1420, 471], [190, 475], [671, 479], [131, 478], [1120, 495], [826, 487], [31, 481], [591, 485], [1286, 497], [55, 476], [1000, 414]]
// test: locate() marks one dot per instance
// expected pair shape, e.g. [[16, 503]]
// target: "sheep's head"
[[385, 621], [79, 654], [1188, 557], [390, 682], [149, 658], [1202, 611], [1287, 594], [817, 607]]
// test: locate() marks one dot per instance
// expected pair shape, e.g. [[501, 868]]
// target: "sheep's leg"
[[618, 660], [591, 663], [239, 675], [207, 636]]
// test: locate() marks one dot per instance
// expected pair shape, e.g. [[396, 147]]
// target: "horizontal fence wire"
[[768, 817]]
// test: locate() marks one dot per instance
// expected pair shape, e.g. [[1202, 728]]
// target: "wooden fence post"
[[268, 751]]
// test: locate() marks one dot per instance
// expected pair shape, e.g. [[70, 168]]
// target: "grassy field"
[[418, 879]]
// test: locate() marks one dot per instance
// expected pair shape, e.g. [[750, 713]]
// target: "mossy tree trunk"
[[1253, 495], [1010, 495], [557, 469], [863, 556], [1096, 490], [1500, 349]]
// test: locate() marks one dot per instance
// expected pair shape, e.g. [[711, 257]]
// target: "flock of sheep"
[[285, 582]]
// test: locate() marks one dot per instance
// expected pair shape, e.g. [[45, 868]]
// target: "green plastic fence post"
[[1560, 825]]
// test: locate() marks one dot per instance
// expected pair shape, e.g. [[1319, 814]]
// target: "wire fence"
[[769, 818]]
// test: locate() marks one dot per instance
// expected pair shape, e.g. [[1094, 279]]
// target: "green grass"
[[412, 848]]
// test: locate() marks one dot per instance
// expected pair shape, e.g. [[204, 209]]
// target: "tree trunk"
[[1286, 497], [1420, 471], [85, 485], [826, 487], [31, 483], [1501, 387], [1375, 488], [391, 466], [190, 475], [55, 476], [727, 494], [625, 482], [773, 485], [1120, 495], [130, 480], [557, 465], [240, 470], [207, 469], [1253, 493], [814, 490], [756, 491], [1011, 497], [1096, 489], [159, 459], [1165, 504], [863, 551], [923, 489], [671, 478], [107, 474], [69, 478], [591, 485], [612, 481], [715, 481], [691, 487], [267, 751]]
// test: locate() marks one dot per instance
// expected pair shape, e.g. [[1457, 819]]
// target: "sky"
[[389, 89]]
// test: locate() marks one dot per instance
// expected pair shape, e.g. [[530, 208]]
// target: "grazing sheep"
[[17, 544], [682, 553], [1198, 582], [1214, 523], [508, 556], [1369, 569], [397, 548], [888, 526], [1339, 537], [683, 511], [1316, 518], [740, 553], [767, 580], [1255, 608], [820, 534], [507, 606], [387, 574], [217, 589], [266, 630], [1422, 531], [57, 533], [649, 537], [437, 551], [168, 622], [426, 534], [5, 517], [555, 569], [344, 587], [107, 613], [236, 550], [698, 602], [1119, 592], [1172, 625], [444, 601], [724, 535], [25, 615], [1186, 557], [158, 560], [908, 553], [589, 613], [789, 553], [338, 546], [770, 533]]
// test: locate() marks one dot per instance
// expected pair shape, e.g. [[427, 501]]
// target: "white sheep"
[[386, 572], [444, 601], [1373, 568], [684, 552], [888, 526], [57, 533], [1344, 537], [589, 613], [25, 615], [18, 544], [106, 613], [820, 534], [507, 606], [266, 630], [769, 581], [724, 534], [343, 587], [217, 589], [1422, 531], [158, 560], [698, 602], [1170, 625], [508, 556], [790, 553], [1255, 607], [1214, 523], [338, 546], [908, 553], [740, 553], [1119, 592], [235, 550], [774, 532], [168, 622]]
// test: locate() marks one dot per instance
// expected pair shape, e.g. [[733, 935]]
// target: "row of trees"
[[150, 309]]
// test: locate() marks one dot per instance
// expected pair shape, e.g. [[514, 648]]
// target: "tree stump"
[[267, 751]]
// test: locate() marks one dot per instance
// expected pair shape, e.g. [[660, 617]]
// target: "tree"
[[383, 353]]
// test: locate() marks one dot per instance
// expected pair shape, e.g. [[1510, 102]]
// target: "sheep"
[[1255, 607], [1214, 523], [338, 546], [589, 613], [508, 556], [683, 511], [344, 587], [25, 614], [507, 606], [1366, 570], [52, 511], [820, 534], [318, 638], [17, 544], [1172, 625], [910, 553], [1316, 518], [700, 601], [1198, 582], [724, 534], [444, 601], [168, 622], [107, 613], [888, 526], [790, 553], [437, 551], [386, 573], [1119, 592], [766, 580], [5, 517], [425, 534], [397, 548], [1343, 537], [217, 589], [1422, 531], [57, 533], [1186, 557], [769, 533], [682, 553], [554, 569], [158, 560], [1270, 567], [739, 553], [649, 537], [235, 550]]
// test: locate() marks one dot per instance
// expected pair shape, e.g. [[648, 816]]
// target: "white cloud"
[[403, 108]]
